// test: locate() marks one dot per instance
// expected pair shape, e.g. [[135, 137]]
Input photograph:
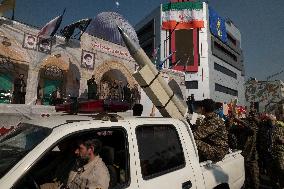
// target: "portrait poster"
[[88, 60], [30, 41], [44, 45]]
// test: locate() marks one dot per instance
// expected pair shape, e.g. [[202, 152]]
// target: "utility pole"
[[274, 75]]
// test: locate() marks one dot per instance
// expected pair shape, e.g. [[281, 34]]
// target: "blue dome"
[[104, 26]]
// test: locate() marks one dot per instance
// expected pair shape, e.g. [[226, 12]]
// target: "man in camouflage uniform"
[[239, 131], [250, 154], [264, 146], [211, 135], [278, 155]]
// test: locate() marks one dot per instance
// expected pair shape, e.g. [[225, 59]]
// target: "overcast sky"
[[261, 23]]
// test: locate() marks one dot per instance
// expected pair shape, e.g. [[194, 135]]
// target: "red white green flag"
[[182, 15]]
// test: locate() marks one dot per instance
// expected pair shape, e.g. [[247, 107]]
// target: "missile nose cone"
[[120, 30], [130, 44]]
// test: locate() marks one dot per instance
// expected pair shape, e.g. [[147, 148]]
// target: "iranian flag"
[[50, 29], [182, 15]]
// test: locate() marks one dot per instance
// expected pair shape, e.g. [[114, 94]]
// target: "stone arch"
[[54, 60], [14, 59], [11, 47], [113, 65], [65, 61], [70, 82], [62, 59]]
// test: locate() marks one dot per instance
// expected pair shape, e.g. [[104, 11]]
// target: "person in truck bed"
[[211, 134]]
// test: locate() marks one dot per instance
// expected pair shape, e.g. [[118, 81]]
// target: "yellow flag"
[[7, 5]]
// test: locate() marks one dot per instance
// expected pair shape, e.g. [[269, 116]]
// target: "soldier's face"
[[83, 152]]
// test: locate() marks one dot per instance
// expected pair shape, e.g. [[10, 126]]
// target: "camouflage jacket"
[[250, 149], [212, 130], [278, 147]]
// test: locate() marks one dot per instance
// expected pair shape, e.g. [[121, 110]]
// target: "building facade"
[[69, 65], [213, 67], [268, 96], [63, 65]]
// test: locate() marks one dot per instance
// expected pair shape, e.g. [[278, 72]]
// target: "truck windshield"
[[16, 144]]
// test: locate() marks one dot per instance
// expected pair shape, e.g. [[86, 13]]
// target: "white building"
[[213, 69]]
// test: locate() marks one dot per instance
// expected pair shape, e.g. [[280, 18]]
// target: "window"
[[231, 39], [148, 28], [225, 90], [201, 48], [184, 47], [191, 84], [148, 49], [19, 142], [160, 150], [146, 36], [57, 162], [225, 51], [224, 70]]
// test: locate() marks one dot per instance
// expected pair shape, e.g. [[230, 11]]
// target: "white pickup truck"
[[140, 152]]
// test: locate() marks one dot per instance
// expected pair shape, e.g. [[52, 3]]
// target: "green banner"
[[182, 6]]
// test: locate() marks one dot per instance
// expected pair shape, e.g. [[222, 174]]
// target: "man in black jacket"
[[92, 88], [19, 90]]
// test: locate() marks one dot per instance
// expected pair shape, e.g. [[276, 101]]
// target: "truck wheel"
[[222, 186]]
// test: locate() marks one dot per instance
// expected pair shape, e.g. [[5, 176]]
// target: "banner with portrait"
[[30, 41], [87, 60], [44, 45]]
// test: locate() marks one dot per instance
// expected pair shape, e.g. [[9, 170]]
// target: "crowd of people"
[[114, 90], [259, 136]]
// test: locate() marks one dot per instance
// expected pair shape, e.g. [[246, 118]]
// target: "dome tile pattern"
[[104, 26]]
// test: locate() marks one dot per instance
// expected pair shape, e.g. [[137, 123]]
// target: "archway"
[[112, 65], [112, 79], [51, 78], [10, 69], [52, 75], [59, 71], [14, 60], [113, 73]]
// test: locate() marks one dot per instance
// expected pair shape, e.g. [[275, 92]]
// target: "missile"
[[152, 82]]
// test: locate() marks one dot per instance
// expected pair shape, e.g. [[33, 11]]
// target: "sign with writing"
[[217, 25], [109, 49]]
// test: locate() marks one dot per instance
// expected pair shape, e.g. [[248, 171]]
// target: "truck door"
[[162, 157], [50, 163]]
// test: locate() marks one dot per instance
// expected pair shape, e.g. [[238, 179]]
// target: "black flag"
[[68, 31]]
